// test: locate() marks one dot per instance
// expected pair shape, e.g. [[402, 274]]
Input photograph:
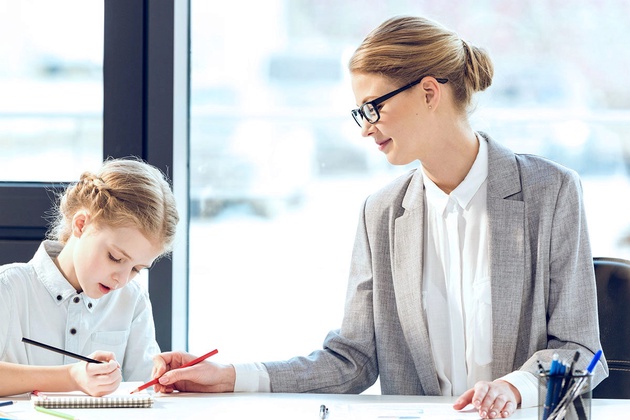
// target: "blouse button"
[[73, 331], [59, 297], [76, 299], [90, 305]]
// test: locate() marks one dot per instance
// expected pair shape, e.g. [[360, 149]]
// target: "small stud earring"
[[429, 106]]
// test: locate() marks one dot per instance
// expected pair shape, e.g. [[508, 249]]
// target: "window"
[[117, 86], [52, 94], [279, 169]]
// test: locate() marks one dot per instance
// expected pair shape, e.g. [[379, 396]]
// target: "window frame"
[[145, 114]]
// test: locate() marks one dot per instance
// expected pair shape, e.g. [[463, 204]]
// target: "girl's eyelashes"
[[134, 269]]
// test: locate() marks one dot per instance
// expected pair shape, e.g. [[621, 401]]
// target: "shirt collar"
[[48, 273], [466, 190]]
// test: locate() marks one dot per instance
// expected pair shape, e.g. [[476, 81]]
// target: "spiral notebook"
[[119, 399]]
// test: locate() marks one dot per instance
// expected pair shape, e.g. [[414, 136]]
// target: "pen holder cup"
[[564, 396]]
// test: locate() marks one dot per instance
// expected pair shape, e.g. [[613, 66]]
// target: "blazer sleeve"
[[570, 292]]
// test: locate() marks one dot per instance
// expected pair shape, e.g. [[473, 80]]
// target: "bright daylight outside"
[[51, 89], [279, 169]]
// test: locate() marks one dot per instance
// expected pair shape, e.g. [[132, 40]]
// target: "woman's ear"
[[79, 222], [432, 92]]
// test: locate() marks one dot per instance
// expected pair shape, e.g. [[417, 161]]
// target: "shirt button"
[[59, 297], [73, 331], [76, 299], [90, 305]]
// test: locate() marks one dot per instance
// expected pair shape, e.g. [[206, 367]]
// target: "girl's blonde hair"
[[405, 49], [124, 193]]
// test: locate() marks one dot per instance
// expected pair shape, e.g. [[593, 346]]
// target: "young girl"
[[76, 293]]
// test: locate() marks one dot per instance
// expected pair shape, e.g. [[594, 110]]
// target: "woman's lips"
[[383, 145]]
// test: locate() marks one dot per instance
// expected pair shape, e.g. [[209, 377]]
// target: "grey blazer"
[[542, 280]]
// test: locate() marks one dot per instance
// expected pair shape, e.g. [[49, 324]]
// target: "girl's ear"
[[79, 222]]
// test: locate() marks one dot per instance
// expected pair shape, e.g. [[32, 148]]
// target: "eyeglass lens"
[[366, 112], [370, 112]]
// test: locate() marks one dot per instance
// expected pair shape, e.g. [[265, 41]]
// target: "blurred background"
[[278, 169]]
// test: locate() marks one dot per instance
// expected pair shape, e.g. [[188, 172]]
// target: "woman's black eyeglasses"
[[369, 110]]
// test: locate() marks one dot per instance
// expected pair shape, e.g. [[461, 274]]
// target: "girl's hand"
[[97, 379]]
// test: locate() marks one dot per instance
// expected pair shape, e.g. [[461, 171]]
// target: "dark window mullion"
[[138, 120]]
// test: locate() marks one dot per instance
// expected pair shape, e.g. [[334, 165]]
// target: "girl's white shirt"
[[37, 302]]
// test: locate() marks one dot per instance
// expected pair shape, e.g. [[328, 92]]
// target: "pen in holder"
[[564, 395]]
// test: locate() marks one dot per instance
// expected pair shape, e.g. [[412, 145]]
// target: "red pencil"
[[191, 363]]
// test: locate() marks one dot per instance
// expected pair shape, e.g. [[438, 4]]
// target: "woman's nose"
[[367, 129]]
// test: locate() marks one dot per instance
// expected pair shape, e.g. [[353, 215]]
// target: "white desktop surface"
[[263, 406]]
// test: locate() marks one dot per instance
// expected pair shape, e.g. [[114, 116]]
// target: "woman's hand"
[[97, 379], [202, 377], [493, 400]]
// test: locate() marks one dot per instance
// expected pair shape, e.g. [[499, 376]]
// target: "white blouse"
[[457, 298]]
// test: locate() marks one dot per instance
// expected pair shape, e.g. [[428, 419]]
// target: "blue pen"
[[557, 385], [594, 361], [553, 370]]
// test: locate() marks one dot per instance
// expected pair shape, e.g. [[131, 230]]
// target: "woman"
[[465, 272], [77, 292]]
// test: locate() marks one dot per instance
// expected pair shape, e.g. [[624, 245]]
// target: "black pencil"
[[55, 349]]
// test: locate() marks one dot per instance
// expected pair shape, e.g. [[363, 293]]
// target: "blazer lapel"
[[507, 254], [507, 261], [407, 280]]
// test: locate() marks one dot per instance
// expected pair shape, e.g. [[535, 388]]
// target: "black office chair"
[[613, 298]]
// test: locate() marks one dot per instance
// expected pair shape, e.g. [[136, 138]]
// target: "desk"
[[244, 406]]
